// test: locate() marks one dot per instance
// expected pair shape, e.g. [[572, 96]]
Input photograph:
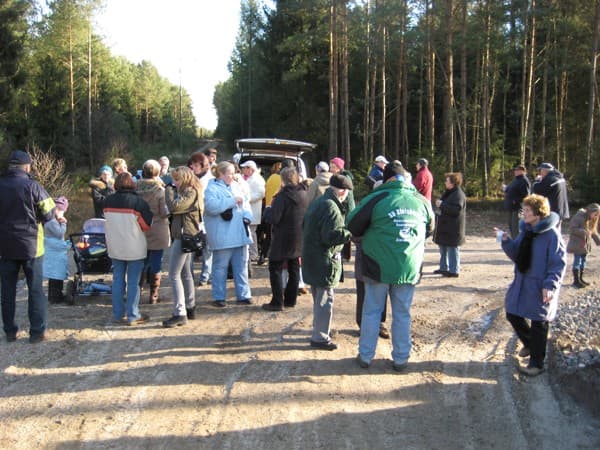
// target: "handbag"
[[193, 242]]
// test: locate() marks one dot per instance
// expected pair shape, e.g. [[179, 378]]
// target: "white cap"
[[249, 163], [382, 159], [322, 167]]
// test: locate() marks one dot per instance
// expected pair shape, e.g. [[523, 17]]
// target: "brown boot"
[[154, 288]]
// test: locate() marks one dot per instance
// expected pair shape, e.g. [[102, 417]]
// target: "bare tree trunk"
[[463, 91], [485, 102], [447, 115], [89, 105], [344, 101], [333, 80], [383, 70], [593, 90], [430, 77], [71, 80], [367, 96], [528, 72], [544, 106]]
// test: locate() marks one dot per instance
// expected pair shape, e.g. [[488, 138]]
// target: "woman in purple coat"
[[540, 260]]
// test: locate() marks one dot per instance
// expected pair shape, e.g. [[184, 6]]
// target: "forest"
[[473, 85]]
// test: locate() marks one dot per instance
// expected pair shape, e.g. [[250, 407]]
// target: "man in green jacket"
[[394, 220], [324, 236]]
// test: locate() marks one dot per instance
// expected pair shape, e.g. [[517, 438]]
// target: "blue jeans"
[[579, 261], [205, 275], [239, 266], [133, 270], [449, 259], [181, 279], [401, 296], [153, 262], [37, 306]]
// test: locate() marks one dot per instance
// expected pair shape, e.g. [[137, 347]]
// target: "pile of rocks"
[[576, 332]]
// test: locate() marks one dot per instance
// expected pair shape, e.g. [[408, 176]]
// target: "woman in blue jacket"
[[227, 217], [540, 260]]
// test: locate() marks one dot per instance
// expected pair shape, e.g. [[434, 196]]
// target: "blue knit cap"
[[105, 169]]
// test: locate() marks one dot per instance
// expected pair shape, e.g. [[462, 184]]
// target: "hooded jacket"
[[579, 237], [318, 186], [99, 191], [548, 262], [24, 207], [285, 215], [516, 191], [554, 187], [393, 221], [153, 192]]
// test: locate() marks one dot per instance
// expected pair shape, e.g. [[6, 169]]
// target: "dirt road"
[[244, 378]]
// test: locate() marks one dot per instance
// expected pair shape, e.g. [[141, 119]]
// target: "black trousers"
[[360, 300], [288, 296], [534, 337]]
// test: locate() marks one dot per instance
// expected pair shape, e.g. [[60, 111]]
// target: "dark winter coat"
[[548, 262], [323, 237], [516, 191], [450, 226], [285, 216], [24, 207], [99, 191], [554, 187]]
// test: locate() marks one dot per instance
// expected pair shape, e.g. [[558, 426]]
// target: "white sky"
[[195, 37]]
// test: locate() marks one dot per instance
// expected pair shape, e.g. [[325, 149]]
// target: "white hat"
[[382, 159], [249, 163], [322, 167]]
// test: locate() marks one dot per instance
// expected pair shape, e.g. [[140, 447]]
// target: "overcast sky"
[[191, 37]]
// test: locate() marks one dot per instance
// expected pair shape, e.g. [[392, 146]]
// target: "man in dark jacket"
[[25, 207], [553, 186], [514, 193], [324, 236]]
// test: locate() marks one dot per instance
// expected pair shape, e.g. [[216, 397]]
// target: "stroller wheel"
[[70, 293]]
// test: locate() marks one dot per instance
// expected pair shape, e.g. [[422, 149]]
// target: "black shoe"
[[271, 307], [531, 371], [219, 303], [362, 363], [524, 352], [450, 275], [399, 367], [260, 261], [244, 301], [191, 313], [440, 272], [11, 337], [323, 345], [174, 321], [383, 332], [37, 338], [201, 283]]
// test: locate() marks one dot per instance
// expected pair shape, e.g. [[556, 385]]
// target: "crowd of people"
[[304, 228]]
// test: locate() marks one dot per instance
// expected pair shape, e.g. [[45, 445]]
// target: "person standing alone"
[[25, 207]]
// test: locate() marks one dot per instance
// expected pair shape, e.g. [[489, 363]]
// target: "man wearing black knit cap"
[[324, 236], [24, 207]]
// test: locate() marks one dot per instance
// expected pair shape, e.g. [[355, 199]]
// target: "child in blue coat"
[[55, 251]]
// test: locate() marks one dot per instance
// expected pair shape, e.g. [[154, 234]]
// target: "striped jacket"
[[24, 207], [128, 217]]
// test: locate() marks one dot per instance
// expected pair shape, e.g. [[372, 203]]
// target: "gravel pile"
[[576, 332]]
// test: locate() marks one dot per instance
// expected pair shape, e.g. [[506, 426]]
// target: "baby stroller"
[[91, 258]]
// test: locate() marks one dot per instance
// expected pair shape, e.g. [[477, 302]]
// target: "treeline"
[[473, 85], [61, 90]]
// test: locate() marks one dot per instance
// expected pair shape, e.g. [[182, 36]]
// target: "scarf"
[[523, 259]]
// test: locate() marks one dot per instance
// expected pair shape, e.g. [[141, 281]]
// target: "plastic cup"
[[499, 235]]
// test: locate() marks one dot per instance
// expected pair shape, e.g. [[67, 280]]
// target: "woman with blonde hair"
[[583, 228], [531, 301], [185, 200]]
